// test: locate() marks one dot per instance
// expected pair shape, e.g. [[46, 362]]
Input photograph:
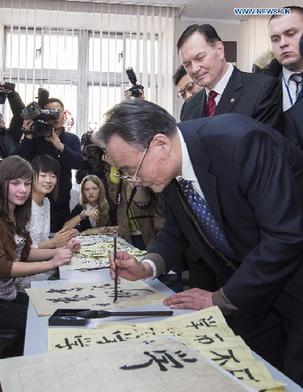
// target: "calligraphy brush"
[[116, 270], [81, 317], [90, 269], [92, 314]]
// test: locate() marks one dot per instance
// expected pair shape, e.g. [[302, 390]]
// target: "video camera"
[[5, 88], [40, 117], [137, 90]]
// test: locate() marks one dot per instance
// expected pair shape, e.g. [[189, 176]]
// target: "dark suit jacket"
[[293, 124], [259, 96], [252, 178]]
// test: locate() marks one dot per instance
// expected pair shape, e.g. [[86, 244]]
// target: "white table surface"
[[37, 327]]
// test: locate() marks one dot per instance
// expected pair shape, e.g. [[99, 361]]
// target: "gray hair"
[[136, 121]]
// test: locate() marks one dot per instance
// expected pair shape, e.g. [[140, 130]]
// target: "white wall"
[[253, 41]]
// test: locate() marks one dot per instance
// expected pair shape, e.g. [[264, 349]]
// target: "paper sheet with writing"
[[92, 296], [205, 331], [159, 366], [95, 250]]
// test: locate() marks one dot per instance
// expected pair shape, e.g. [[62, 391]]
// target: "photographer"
[[10, 137], [61, 145]]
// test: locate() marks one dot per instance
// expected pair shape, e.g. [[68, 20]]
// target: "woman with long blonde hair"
[[93, 209]]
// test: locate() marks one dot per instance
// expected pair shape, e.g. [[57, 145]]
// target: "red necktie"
[[211, 103]]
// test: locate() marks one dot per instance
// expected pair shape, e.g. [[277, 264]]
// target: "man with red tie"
[[227, 89]]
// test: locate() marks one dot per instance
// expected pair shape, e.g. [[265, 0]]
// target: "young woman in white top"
[[17, 258], [47, 171]]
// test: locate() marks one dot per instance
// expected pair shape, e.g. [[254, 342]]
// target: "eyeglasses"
[[134, 177], [182, 94]]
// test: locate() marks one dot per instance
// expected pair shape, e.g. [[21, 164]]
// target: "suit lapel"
[[203, 104], [231, 93]]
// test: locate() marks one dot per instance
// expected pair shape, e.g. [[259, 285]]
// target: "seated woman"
[[47, 170], [17, 258], [92, 213]]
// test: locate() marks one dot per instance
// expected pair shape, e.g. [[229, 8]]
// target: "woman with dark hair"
[[17, 258], [45, 182], [93, 209], [62, 146]]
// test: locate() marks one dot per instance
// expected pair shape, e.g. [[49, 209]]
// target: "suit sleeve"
[[274, 192], [268, 107], [16, 105]]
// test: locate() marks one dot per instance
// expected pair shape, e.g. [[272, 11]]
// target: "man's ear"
[[220, 48], [160, 140]]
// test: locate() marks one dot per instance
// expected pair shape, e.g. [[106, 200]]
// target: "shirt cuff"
[[157, 260], [220, 300], [153, 267]]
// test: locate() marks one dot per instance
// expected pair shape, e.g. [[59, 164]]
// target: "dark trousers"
[[13, 316], [276, 337]]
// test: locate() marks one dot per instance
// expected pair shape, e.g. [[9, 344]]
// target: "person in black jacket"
[[293, 118], [61, 145], [285, 32], [11, 136]]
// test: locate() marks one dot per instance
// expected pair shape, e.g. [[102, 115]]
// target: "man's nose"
[[283, 41], [195, 66]]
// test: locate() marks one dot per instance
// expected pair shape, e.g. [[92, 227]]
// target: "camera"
[[5, 88], [40, 117], [137, 90]]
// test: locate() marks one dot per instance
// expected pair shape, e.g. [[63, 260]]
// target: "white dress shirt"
[[220, 86], [289, 88]]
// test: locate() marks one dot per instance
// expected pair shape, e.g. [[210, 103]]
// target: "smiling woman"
[[47, 171], [16, 255]]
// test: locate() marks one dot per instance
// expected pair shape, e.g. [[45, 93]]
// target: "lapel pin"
[[232, 100]]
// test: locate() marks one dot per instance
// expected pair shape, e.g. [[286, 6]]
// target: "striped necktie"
[[211, 103], [298, 79], [210, 227]]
